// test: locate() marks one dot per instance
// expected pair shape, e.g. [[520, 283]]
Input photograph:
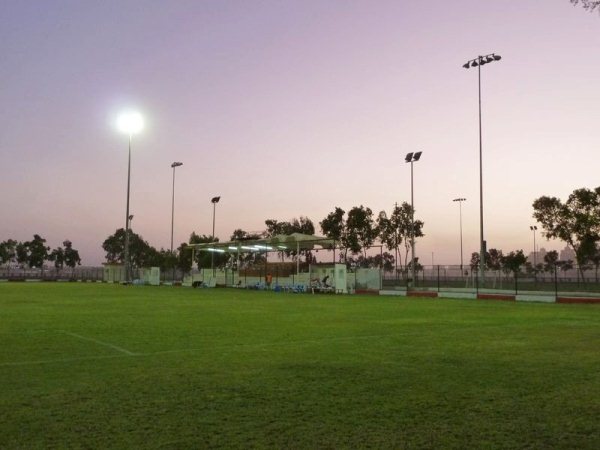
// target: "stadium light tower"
[[460, 200], [174, 165], [130, 123], [478, 62], [214, 201], [411, 158], [534, 229]]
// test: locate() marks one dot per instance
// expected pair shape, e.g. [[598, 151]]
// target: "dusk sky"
[[289, 108]]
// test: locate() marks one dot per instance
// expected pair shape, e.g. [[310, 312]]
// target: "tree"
[[58, 256], [493, 259], [8, 251], [550, 260], [576, 222], [589, 5], [38, 251], [334, 227], [71, 256], [513, 261], [360, 229], [22, 253], [402, 222], [141, 254], [474, 262]]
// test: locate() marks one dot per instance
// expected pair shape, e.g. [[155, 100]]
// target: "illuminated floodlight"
[[130, 122], [216, 250], [232, 248], [245, 247], [281, 246]]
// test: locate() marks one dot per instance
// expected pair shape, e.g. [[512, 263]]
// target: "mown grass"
[[105, 366]]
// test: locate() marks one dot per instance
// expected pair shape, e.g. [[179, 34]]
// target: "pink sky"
[[289, 108]]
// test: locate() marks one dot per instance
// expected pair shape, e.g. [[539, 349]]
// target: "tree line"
[[35, 253], [575, 221], [354, 232]]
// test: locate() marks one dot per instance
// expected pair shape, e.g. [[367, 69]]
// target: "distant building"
[[537, 257], [567, 254]]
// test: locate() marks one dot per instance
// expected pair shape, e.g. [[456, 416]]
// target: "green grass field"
[[104, 366]]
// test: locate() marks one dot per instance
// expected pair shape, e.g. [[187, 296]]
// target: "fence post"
[[516, 282], [555, 282], [438, 278]]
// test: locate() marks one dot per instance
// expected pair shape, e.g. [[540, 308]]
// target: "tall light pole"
[[173, 166], [214, 201], [460, 200], [478, 62], [411, 158], [130, 123], [534, 229]]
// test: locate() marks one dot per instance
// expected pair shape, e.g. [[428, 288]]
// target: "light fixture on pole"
[[478, 62], [214, 201], [173, 166], [534, 229], [410, 158], [460, 200], [130, 123]]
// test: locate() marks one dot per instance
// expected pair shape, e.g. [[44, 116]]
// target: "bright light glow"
[[232, 248], [245, 247], [130, 122], [281, 246], [216, 250]]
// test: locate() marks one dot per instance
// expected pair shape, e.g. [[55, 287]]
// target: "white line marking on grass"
[[63, 360], [127, 353], [106, 344]]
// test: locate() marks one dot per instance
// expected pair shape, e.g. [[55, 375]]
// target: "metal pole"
[[126, 250], [412, 231], [173, 219], [212, 254], [482, 249], [461, 237]]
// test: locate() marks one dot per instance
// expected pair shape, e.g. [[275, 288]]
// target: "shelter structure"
[[281, 242]]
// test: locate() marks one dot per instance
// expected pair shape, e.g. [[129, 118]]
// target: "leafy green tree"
[[58, 257], [513, 261], [475, 260], [334, 227], [589, 5], [8, 251], [576, 221], [361, 229], [493, 259], [550, 259], [398, 228], [38, 251], [71, 256], [141, 254], [22, 253]]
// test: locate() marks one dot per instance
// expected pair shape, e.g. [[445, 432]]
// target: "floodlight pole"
[[214, 201], [126, 249], [411, 158], [481, 240], [478, 62], [174, 165], [412, 224], [460, 200], [534, 229]]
